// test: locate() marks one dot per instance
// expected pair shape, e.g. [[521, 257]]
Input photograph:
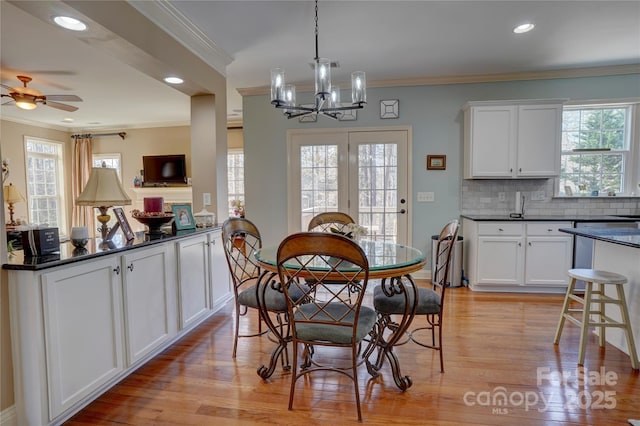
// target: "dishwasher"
[[583, 246]]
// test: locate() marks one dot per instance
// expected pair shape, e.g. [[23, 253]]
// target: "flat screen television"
[[164, 170]]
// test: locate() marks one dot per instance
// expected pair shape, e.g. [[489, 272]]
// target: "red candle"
[[153, 204]]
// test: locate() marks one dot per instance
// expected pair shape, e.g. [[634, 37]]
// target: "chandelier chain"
[[317, 55]]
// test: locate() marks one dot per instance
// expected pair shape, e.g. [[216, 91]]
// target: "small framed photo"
[[123, 223], [436, 162], [568, 191], [183, 217]]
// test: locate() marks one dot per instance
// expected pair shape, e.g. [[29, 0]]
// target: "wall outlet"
[[537, 196], [502, 196], [426, 197], [206, 198]]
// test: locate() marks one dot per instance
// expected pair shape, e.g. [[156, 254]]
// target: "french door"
[[362, 173]]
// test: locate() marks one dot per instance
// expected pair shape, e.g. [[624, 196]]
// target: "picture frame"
[[436, 162], [184, 217], [123, 224]]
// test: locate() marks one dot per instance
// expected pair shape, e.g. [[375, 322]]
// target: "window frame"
[[631, 173], [234, 195], [60, 179]]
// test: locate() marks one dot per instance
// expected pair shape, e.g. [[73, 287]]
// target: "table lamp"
[[11, 196], [103, 190]]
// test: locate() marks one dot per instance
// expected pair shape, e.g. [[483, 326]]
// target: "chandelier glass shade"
[[327, 96]]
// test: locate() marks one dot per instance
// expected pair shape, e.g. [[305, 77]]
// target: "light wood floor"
[[495, 345]]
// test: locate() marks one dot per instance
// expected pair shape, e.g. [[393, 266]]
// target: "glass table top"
[[382, 256]]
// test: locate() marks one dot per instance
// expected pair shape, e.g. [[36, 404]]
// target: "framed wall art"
[[436, 162]]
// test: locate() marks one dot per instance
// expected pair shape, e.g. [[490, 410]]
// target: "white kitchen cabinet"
[[549, 254], [82, 329], [514, 139], [193, 279], [517, 256], [84, 323], [220, 281], [149, 285], [500, 253]]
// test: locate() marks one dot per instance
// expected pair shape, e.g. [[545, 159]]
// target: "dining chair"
[[241, 239], [323, 222], [430, 300], [330, 264]]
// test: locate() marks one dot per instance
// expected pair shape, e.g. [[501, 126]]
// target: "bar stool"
[[595, 281]]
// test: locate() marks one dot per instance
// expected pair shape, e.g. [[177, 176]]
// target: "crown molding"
[[477, 78], [173, 22]]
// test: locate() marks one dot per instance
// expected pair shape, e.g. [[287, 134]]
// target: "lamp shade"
[[103, 189], [11, 194]]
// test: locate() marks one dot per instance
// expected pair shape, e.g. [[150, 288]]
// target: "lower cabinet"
[[517, 256], [193, 279], [220, 279], [84, 326], [148, 283]]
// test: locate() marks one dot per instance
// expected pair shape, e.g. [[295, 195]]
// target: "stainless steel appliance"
[[583, 247]]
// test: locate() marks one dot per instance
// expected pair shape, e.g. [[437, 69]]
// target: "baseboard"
[[8, 416], [422, 274]]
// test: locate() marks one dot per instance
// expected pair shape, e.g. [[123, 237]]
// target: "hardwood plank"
[[492, 343]]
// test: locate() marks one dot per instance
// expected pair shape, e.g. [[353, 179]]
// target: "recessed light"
[[67, 120], [174, 80], [69, 23], [523, 28]]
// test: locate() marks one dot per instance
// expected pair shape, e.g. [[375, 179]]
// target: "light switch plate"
[[425, 197], [206, 198]]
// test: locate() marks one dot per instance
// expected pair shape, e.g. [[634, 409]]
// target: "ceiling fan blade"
[[5, 86], [58, 105], [8, 102], [65, 98]]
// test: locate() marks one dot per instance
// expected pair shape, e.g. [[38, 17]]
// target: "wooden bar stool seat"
[[592, 313]]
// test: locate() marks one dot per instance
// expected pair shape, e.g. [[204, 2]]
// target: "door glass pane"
[[378, 190], [318, 180]]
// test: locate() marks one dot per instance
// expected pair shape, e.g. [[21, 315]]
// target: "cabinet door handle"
[[500, 229], [519, 244], [510, 170], [529, 244], [549, 230], [117, 270], [520, 169], [130, 267]]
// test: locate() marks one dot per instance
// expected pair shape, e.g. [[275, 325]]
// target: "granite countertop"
[[625, 237], [555, 218], [94, 249]]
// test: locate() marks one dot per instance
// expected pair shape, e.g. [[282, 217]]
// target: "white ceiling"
[[392, 41]]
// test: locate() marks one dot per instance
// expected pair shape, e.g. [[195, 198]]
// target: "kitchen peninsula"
[[618, 250], [82, 320]]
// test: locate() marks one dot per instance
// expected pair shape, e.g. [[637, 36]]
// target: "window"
[[598, 149], [111, 161], [235, 177], [45, 183]]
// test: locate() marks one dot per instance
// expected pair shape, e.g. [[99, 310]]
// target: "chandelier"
[[327, 96]]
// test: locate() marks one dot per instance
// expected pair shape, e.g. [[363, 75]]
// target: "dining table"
[[390, 263]]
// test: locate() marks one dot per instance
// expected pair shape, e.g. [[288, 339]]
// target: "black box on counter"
[[36, 242]]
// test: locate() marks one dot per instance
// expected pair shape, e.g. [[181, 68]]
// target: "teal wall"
[[435, 115]]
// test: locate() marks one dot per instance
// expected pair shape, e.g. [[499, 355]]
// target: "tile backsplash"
[[482, 197]]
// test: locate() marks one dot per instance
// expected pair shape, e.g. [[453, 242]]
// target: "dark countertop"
[[94, 249], [532, 218], [625, 237]]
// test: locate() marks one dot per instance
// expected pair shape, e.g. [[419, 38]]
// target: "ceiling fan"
[[28, 98]]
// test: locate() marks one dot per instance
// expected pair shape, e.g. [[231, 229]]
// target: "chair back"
[[323, 222], [444, 251], [241, 239], [330, 269]]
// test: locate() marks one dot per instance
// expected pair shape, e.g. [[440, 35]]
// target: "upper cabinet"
[[512, 139]]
